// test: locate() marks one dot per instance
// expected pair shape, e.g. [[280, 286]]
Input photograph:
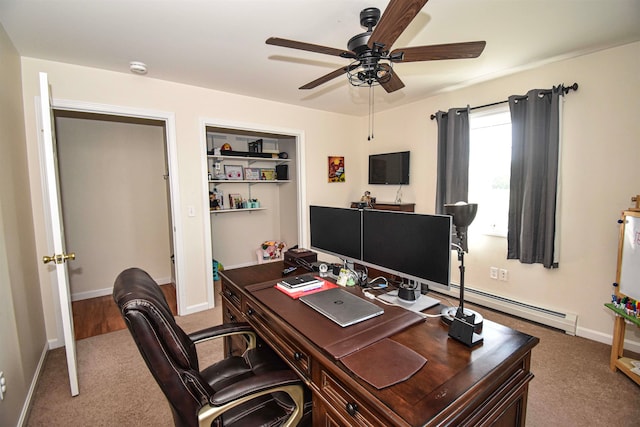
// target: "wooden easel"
[[619, 327]]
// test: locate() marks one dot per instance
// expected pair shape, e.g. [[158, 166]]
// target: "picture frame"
[[235, 201], [255, 146], [336, 169], [268, 174], [252, 174], [233, 172]]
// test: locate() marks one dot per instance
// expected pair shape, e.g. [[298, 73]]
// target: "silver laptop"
[[342, 307]]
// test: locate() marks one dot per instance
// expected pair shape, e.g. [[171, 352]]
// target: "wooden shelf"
[[236, 210], [389, 206], [250, 159], [249, 181]]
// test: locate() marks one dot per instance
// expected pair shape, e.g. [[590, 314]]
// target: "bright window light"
[[490, 169]]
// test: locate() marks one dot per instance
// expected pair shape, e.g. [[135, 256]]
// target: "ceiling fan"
[[372, 59]]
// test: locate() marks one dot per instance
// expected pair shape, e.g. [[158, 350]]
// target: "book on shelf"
[[297, 293]]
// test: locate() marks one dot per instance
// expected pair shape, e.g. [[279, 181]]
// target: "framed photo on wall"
[[336, 169], [268, 174], [233, 172], [252, 174]]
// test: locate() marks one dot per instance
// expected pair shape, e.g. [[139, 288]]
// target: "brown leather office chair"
[[256, 389]]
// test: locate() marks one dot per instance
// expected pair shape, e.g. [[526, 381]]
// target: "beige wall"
[[599, 174], [599, 165], [323, 134], [114, 199], [22, 329]]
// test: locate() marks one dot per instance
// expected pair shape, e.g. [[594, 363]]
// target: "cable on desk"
[[375, 297], [370, 283]]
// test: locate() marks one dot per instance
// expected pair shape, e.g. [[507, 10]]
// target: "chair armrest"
[[225, 330], [267, 382]]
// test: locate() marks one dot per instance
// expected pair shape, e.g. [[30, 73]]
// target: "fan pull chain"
[[371, 113]]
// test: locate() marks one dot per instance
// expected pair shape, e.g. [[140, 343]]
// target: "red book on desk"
[[295, 295]]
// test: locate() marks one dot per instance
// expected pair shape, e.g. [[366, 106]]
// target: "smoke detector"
[[138, 67]]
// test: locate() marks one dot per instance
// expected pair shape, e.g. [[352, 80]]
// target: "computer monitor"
[[336, 231], [414, 246]]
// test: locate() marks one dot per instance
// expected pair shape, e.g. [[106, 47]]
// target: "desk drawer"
[[232, 294], [278, 339], [344, 402], [230, 314]]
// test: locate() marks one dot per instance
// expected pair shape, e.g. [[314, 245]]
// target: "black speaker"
[[282, 172]]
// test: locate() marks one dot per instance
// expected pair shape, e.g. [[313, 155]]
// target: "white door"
[[59, 256]]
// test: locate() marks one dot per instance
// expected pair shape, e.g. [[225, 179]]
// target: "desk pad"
[[384, 363], [325, 334]]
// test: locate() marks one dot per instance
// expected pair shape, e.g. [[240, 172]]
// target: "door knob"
[[58, 259]]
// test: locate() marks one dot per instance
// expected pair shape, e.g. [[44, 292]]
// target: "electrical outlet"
[[3, 385], [493, 273], [504, 274]]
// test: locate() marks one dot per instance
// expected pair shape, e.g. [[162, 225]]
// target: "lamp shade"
[[463, 213]]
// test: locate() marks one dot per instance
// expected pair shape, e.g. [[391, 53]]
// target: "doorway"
[[113, 177]]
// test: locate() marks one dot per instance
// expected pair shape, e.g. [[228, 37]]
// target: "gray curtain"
[[453, 157], [535, 124]]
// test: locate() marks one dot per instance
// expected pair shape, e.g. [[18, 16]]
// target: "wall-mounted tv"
[[389, 168]]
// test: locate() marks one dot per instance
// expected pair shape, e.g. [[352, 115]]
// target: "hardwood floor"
[[100, 315]]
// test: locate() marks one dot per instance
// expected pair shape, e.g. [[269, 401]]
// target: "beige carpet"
[[573, 385]]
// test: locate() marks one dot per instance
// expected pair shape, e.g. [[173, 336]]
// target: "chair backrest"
[[167, 350]]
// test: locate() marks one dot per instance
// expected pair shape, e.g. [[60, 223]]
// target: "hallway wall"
[[114, 200]]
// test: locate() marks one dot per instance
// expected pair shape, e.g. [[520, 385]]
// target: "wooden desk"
[[486, 385]]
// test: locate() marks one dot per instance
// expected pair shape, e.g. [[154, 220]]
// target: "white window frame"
[[500, 112]]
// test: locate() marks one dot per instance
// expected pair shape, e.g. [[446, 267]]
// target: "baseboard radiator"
[[567, 322]]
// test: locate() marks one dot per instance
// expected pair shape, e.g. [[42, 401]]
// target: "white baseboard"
[[569, 323], [55, 343], [79, 296], [26, 408], [607, 339]]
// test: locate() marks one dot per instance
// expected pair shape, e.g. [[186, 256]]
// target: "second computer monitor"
[[414, 246]]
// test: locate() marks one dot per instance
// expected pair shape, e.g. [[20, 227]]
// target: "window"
[[490, 169]]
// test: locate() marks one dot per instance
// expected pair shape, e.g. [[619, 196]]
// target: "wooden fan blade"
[[390, 82], [393, 84], [396, 17], [441, 51], [309, 47], [332, 75]]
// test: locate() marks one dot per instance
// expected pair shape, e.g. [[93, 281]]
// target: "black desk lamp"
[[464, 324]]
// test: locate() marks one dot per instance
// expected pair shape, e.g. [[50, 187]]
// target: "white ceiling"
[[220, 44]]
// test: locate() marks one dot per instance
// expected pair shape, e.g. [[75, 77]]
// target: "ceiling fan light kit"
[[370, 52]]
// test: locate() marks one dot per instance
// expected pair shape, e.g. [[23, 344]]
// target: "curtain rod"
[[565, 89]]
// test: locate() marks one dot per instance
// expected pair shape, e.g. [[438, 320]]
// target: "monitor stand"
[[421, 303]]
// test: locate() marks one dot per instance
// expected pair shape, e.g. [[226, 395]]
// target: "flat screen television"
[[336, 231], [414, 246], [389, 168]]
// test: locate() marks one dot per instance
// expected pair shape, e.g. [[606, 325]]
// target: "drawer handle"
[[250, 311], [297, 355], [352, 408], [232, 317]]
